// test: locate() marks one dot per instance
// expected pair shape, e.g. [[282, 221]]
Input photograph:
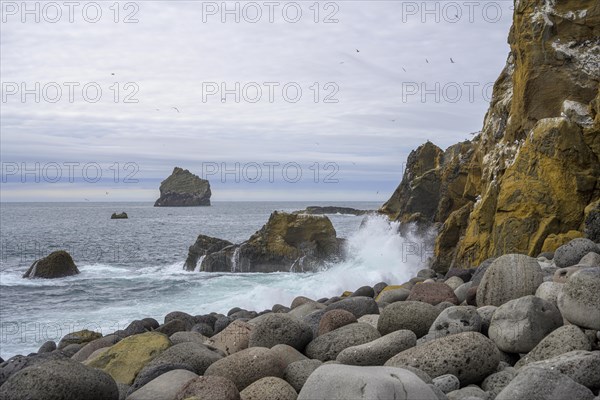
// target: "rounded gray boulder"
[[470, 356], [415, 316], [247, 366], [378, 351], [60, 379], [342, 382], [509, 277], [298, 372], [519, 325], [543, 384], [569, 254], [274, 329], [579, 301], [328, 346], [455, 319]]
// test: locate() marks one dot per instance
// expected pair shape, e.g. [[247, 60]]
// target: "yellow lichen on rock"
[[124, 360]]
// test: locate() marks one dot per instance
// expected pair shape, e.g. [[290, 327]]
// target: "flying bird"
[[341, 62], [357, 50], [107, 193], [427, 61], [87, 199], [451, 60], [403, 69], [112, 73], [175, 108]]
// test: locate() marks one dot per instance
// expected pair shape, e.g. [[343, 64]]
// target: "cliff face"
[[183, 189], [529, 175]]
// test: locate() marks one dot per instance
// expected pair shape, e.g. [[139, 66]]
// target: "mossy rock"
[[125, 360]]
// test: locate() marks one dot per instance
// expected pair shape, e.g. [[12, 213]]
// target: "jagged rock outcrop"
[[204, 245], [183, 189], [533, 171], [287, 242], [57, 264]]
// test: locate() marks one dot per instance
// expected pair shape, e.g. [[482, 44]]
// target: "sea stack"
[[183, 189]]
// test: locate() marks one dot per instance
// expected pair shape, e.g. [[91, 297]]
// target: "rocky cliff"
[[530, 180], [183, 189]]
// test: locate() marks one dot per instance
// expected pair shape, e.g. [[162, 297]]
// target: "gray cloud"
[[170, 53]]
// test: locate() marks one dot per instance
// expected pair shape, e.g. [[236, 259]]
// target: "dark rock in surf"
[[204, 245], [57, 264], [122, 215]]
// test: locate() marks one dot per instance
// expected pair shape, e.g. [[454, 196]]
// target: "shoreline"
[[411, 327]]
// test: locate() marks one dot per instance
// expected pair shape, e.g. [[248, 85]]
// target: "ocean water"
[[132, 269]]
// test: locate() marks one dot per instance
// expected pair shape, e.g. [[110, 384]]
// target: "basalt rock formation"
[[57, 264], [531, 178], [183, 189], [287, 242], [204, 245]]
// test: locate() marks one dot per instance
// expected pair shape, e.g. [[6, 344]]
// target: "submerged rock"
[[57, 264], [183, 189]]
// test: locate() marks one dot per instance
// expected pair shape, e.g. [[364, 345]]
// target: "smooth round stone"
[[454, 320], [519, 325], [468, 393], [358, 306], [591, 259], [509, 277], [432, 293], [496, 382], [563, 340], [233, 338], [274, 329], [470, 356], [184, 337], [209, 387], [287, 354], [543, 384], [393, 295], [364, 291], [378, 351], [415, 316], [247, 366], [426, 273], [579, 301], [378, 287], [549, 291], [454, 282], [461, 291], [342, 382], [165, 386], [298, 372], [335, 319], [569, 254], [370, 319], [328, 346], [581, 366], [447, 383], [60, 379], [269, 388], [196, 357]]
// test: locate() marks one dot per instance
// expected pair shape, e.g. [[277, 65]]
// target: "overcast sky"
[[348, 133]]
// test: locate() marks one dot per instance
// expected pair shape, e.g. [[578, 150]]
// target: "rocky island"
[[183, 189], [57, 264]]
